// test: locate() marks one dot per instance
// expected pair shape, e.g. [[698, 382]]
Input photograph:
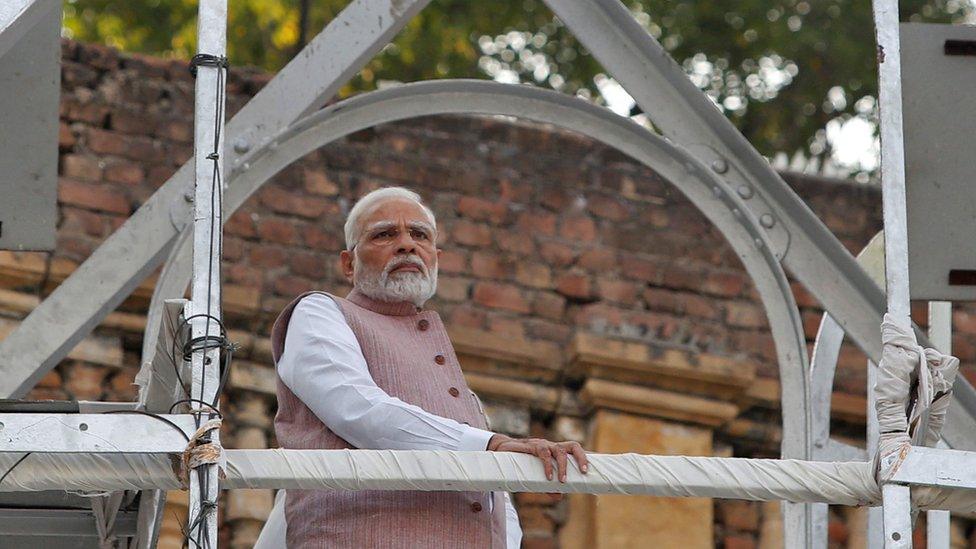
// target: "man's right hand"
[[546, 450]]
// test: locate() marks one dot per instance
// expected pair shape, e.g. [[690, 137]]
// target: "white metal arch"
[[703, 187]]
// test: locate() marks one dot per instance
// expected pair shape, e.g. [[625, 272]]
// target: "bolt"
[[745, 191], [241, 145], [719, 165], [767, 220], [188, 196]]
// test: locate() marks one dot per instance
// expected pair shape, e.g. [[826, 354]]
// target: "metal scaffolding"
[[698, 151]]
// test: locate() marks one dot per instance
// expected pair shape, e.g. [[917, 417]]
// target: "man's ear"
[[345, 263]]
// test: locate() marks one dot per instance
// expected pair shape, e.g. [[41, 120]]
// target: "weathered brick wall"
[[545, 234]]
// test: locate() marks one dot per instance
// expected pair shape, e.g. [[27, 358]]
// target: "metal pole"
[[204, 306], [892, 160], [897, 505], [940, 334]]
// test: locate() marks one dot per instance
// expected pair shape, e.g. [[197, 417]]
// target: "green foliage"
[[782, 70]]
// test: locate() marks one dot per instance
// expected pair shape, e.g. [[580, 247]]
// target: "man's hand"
[[545, 450]]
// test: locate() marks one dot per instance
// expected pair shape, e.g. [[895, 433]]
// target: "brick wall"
[[545, 234]]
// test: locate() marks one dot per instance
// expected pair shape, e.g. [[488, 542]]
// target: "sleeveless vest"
[[409, 356]]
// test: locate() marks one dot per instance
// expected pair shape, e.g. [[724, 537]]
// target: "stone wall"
[[586, 297]]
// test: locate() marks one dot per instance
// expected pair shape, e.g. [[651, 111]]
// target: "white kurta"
[[331, 377]]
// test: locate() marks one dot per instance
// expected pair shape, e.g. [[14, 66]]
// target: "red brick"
[[129, 120], [578, 229], [506, 326], [84, 381], [803, 297], [318, 182], [180, 131], [453, 261], [698, 306], [557, 255], [312, 265], [682, 277], [482, 210], [84, 111], [489, 265], [106, 142], [240, 224], [743, 314], [76, 220], [277, 230], [292, 285], [607, 208], [282, 201], [598, 259], [739, 541], [614, 289], [244, 275], [728, 284], [500, 296], [641, 269], [66, 138], [468, 317], [537, 223], [574, 285], [472, 234], [84, 168], [453, 288], [267, 255], [124, 172], [549, 305], [157, 174], [739, 515], [123, 384], [656, 217], [99, 56], [534, 275], [319, 238], [515, 242], [92, 196]]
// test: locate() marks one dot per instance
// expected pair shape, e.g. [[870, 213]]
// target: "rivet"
[[720, 165], [767, 220], [745, 191], [82, 426], [241, 145]]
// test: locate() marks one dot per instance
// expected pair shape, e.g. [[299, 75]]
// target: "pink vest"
[[410, 356]]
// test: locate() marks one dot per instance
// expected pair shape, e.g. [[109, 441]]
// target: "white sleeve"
[[324, 366], [513, 530]]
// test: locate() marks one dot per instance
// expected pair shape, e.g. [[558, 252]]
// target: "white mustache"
[[410, 260]]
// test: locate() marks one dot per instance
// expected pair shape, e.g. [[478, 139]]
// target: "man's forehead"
[[394, 211]]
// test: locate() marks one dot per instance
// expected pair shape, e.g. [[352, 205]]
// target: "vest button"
[[423, 325], [454, 392], [476, 507], [440, 359]]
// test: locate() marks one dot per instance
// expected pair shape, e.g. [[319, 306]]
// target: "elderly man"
[[376, 370]]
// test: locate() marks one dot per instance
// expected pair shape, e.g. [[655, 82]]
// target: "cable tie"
[[207, 60]]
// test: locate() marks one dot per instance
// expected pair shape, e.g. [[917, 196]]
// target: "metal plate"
[[938, 77], [30, 79]]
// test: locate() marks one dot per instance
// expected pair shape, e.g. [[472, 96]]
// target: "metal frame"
[[764, 221]]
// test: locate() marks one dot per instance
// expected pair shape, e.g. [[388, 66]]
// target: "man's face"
[[395, 258]]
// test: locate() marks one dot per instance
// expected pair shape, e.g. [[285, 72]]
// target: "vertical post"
[[897, 504], [875, 533], [892, 160], [204, 313], [940, 334]]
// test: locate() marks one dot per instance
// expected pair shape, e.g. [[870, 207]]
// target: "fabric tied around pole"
[[201, 450], [908, 390]]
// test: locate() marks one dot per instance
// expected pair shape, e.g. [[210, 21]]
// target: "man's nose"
[[406, 243]]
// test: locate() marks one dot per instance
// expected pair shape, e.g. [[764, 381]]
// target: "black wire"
[[212, 408], [154, 416], [12, 467]]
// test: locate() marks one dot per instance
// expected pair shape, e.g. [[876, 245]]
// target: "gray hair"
[[368, 203]]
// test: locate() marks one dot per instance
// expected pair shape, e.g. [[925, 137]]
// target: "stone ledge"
[[603, 394], [765, 392], [650, 365], [490, 353]]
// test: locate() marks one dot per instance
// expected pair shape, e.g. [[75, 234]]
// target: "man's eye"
[[383, 234], [420, 235]]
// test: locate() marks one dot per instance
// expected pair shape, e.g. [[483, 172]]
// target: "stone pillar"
[[649, 400]]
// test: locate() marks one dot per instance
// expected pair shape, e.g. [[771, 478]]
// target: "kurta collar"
[[392, 308]]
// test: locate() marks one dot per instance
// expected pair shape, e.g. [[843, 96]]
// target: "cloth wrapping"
[[901, 357]]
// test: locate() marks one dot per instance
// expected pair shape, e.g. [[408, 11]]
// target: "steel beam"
[[722, 206], [19, 17], [117, 267], [95, 433]]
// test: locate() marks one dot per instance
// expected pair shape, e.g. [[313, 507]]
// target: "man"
[[376, 370]]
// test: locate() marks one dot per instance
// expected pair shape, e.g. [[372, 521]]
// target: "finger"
[[580, 455], [561, 459], [546, 456]]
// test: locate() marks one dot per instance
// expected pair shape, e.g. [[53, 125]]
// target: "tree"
[[790, 74]]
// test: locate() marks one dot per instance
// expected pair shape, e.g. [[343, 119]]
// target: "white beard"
[[410, 286]]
